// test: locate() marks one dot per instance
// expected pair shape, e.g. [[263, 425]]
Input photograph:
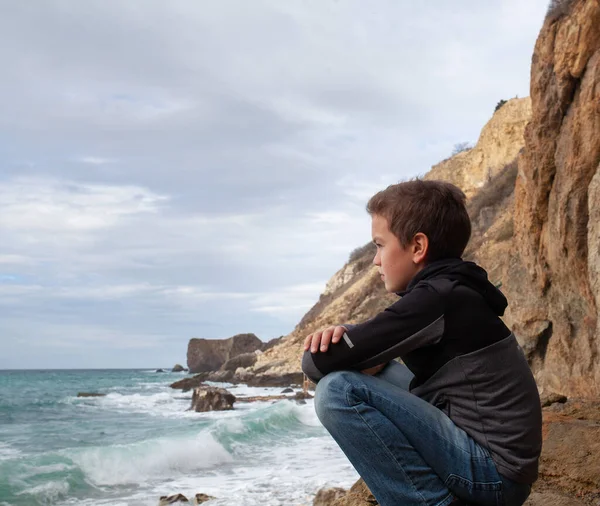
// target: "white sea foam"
[[150, 460], [49, 492], [7, 452]]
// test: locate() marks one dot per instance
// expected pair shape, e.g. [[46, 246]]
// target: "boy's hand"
[[322, 338]]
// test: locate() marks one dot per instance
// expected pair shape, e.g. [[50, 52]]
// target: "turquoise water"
[[140, 442]]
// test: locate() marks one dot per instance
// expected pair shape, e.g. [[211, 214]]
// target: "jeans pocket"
[[482, 493]]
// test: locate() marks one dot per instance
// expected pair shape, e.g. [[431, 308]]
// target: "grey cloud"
[[256, 132]]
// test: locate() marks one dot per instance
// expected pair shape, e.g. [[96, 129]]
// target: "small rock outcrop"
[[207, 398], [242, 360], [210, 354], [326, 496], [90, 394], [178, 368], [160, 370], [200, 498], [172, 499]]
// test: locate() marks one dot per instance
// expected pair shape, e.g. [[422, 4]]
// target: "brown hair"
[[434, 208]]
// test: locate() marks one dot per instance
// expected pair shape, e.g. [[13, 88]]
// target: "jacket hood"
[[466, 273]]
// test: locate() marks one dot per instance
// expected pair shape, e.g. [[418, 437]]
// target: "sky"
[[189, 168]]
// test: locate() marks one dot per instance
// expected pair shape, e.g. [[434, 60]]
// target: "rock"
[[556, 255], [499, 143], [209, 398], [270, 380], [172, 499], [287, 391], [326, 496], [90, 394], [187, 384], [210, 354], [549, 399], [242, 360], [200, 498], [160, 370], [177, 368]]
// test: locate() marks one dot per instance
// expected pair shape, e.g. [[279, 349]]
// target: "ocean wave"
[[7, 452], [283, 419], [47, 493], [149, 460]]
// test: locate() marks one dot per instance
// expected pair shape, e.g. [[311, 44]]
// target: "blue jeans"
[[408, 452]]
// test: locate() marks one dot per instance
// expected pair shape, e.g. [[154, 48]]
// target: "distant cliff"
[[210, 354]]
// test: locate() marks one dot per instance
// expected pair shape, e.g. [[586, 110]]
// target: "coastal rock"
[[287, 390], [241, 360], [178, 368], [90, 394], [326, 496], [160, 370], [200, 498], [210, 354], [172, 499], [556, 256], [207, 398], [187, 384]]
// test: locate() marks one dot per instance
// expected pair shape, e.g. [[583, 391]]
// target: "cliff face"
[[210, 354], [499, 143], [557, 195]]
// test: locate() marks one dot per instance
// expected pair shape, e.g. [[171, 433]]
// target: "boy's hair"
[[434, 208]]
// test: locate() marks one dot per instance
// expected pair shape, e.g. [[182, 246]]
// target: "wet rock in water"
[[178, 368], [326, 496], [553, 398], [220, 376], [160, 370], [90, 394], [187, 384], [172, 499], [209, 398], [287, 391], [200, 498]]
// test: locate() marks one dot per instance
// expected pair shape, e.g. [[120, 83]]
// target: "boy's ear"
[[419, 248]]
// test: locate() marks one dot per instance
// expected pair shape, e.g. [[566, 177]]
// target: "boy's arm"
[[414, 321]]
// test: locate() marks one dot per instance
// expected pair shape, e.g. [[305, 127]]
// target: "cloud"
[[174, 169]]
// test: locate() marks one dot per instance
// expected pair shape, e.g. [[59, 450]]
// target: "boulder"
[[187, 384], [207, 398], [287, 390], [210, 354], [172, 499], [160, 370], [200, 498], [178, 368], [326, 496]]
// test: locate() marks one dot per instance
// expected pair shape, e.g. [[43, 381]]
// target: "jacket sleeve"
[[414, 321]]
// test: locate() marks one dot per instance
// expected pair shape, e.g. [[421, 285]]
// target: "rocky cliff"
[[556, 250], [210, 354]]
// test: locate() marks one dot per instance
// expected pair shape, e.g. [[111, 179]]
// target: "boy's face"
[[397, 265]]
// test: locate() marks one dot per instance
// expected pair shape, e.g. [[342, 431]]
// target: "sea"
[[141, 442]]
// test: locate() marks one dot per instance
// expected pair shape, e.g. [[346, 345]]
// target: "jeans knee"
[[330, 392]]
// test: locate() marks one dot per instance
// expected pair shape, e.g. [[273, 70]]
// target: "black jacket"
[[447, 329]]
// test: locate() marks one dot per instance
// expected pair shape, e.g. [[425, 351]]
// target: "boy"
[[460, 423]]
